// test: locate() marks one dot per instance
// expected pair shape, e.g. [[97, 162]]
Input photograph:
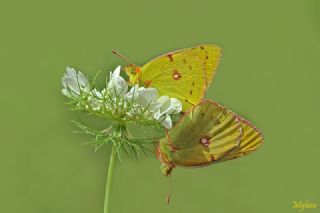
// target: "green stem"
[[109, 179]]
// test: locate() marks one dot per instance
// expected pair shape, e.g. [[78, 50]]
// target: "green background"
[[269, 74]]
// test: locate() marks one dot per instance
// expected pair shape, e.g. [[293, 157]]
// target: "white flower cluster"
[[120, 101]]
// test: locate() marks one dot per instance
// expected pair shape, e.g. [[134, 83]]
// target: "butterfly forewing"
[[184, 74]]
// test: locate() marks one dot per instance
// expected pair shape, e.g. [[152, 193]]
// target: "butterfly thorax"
[[134, 73]]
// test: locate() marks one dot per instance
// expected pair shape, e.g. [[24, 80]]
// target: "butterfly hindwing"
[[209, 133], [251, 140], [205, 134], [183, 74]]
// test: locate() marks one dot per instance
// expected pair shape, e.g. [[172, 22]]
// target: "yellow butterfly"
[[207, 134], [184, 74]]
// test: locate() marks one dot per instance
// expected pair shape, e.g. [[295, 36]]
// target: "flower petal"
[[97, 93], [175, 106], [65, 92], [147, 96], [166, 121], [164, 104], [117, 86], [74, 80], [116, 72], [133, 94]]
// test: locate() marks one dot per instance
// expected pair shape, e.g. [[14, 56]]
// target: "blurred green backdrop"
[[269, 74]]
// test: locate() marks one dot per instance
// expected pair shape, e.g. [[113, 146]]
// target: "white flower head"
[[117, 86], [116, 102], [73, 82]]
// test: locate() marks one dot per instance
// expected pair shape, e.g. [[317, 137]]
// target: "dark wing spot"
[[170, 57], [176, 75], [187, 100], [205, 141], [202, 114]]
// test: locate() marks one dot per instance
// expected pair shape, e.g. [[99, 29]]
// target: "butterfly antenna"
[[169, 190], [121, 56]]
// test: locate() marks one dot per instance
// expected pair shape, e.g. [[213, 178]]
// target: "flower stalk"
[[109, 179], [119, 131]]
